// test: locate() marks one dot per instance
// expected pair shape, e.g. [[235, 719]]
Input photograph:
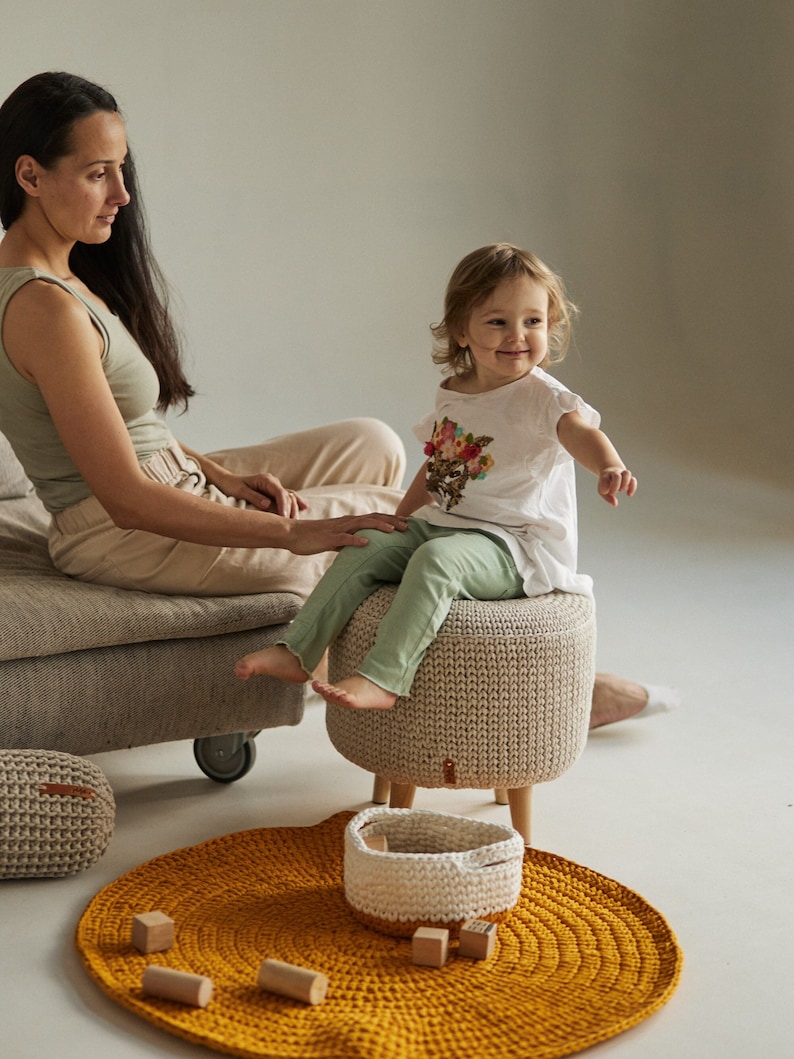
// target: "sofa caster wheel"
[[225, 758]]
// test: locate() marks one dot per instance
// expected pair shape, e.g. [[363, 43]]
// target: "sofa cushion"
[[43, 612], [13, 480]]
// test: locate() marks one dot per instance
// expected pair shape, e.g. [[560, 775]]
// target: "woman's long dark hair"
[[38, 119]]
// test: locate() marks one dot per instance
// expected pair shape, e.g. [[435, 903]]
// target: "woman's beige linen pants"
[[352, 467]]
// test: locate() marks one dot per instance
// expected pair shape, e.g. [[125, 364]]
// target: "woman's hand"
[[330, 534], [262, 490], [265, 492]]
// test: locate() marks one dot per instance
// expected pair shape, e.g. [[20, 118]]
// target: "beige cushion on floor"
[[56, 814]]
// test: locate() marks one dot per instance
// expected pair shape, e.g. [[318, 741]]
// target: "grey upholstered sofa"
[[84, 668]]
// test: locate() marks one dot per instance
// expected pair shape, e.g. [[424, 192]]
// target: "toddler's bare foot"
[[278, 662], [356, 693]]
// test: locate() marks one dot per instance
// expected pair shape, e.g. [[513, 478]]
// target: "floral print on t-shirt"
[[454, 459]]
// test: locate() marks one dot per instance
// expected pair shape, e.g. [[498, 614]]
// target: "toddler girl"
[[493, 508]]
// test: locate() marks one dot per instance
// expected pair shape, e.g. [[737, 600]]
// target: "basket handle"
[[480, 859]]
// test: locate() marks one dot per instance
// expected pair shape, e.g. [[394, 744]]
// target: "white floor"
[[691, 809]]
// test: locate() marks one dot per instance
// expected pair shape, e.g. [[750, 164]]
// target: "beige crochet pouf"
[[501, 699], [57, 814]]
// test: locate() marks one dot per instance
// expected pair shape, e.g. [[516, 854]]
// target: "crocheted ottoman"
[[501, 699], [57, 814]]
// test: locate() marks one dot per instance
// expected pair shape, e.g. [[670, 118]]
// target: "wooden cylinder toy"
[[169, 984], [298, 983]]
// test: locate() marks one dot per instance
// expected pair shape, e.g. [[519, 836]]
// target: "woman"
[[88, 351]]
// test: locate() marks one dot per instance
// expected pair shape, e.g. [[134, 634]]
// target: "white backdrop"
[[313, 169]]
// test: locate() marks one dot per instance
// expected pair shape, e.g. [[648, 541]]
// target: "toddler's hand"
[[614, 480]]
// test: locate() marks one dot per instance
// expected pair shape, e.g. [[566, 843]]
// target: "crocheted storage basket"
[[439, 870], [56, 814]]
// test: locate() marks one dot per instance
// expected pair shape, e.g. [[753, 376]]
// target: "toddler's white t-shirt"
[[496, 464]]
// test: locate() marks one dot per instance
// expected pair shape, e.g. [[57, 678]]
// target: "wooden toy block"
[[430, 946], [152, 932], [380, 843], [477, 939], [297, 983], [169, 984]]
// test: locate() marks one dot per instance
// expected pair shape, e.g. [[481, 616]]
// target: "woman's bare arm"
[[51, 340]]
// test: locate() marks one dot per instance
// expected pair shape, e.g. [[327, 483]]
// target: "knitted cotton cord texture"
[[579, 958], [57, 814], [439, 869], [503, 694]]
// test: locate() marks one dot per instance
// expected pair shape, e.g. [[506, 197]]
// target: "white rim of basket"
[[492, 854]]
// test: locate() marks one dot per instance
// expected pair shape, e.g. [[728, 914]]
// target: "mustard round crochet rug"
[[578, 960]]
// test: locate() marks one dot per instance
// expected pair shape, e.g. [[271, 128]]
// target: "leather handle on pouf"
[[67, 790]]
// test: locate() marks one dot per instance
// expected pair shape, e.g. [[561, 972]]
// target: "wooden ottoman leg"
[[402, 795], [520, 799], [380, 790], [500, 796]]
